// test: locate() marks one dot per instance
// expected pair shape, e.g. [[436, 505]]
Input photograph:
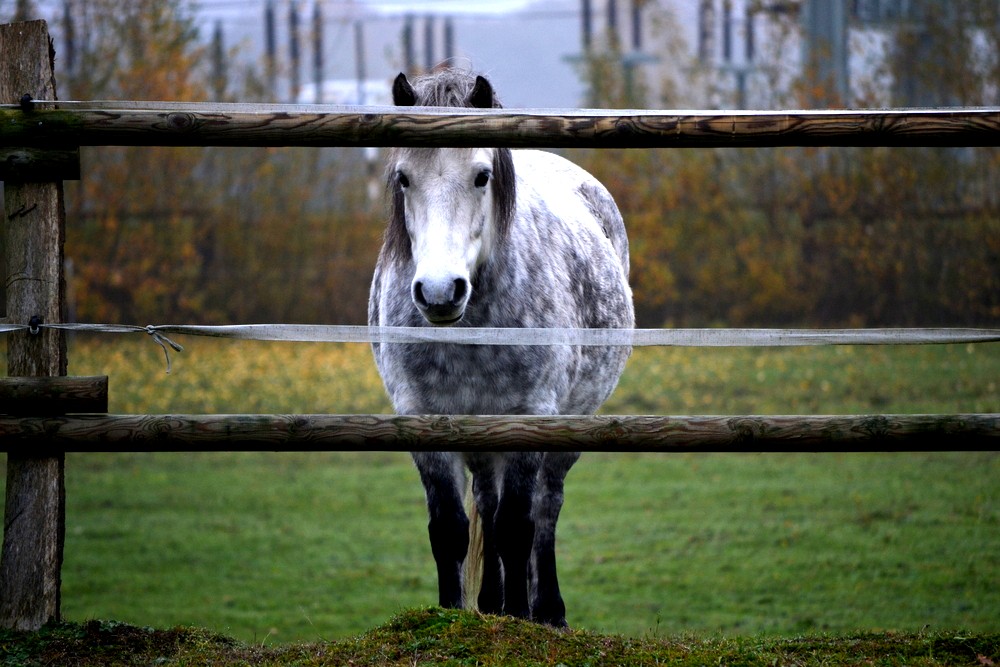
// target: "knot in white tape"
[[163, 341]]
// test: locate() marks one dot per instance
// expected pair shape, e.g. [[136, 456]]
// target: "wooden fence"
[[39, 148]]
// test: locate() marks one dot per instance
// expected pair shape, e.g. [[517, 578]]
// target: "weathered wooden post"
[[33, 226]]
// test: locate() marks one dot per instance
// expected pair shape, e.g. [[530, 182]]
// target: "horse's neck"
[[488, 282]]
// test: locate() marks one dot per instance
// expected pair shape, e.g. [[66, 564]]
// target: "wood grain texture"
[[53, 395], [34, 218], [85, 433], [34, 222], [34, 530], [176, 124], [27, 164]]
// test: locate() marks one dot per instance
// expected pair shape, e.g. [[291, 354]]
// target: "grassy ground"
[[438, 637], [282, 547], [274, 548]]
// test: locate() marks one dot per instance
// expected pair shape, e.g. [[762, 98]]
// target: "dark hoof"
[[558, 622]]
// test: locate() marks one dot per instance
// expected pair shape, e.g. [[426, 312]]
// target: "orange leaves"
[[836, 237], [205, 235]]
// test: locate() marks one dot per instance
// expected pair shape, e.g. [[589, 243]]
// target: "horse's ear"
[[481, 96], [402, 92]]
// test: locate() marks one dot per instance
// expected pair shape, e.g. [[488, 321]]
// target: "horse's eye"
[[482, 178], [403, 181]]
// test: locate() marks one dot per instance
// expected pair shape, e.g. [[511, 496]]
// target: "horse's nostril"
[[418, 294], [461, 287]]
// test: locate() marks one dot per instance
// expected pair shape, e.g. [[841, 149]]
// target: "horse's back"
[[573, 194], [586, 248], [575, 222]]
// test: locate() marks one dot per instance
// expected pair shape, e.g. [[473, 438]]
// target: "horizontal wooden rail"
[[186, 124], [82, 433], [53, 395]]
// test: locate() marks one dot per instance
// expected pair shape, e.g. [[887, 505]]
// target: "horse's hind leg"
[[515, 530], [547, 604], [484, 469], [444, 481]]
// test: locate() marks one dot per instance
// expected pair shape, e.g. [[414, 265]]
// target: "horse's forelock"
[[451, 87]]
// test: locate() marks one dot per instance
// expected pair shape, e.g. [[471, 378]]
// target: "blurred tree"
[[213, 234], [761, 237], [135, 221], [24, 11], [807, 236], [915, 230]]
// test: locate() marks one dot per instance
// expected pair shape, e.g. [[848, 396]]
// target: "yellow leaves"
[[266, 169], [226, 376]]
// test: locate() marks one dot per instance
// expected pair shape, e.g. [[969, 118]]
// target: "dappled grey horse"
[[485, 237]]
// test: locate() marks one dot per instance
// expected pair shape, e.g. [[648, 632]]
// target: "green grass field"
[[304, 546], [283, 547], [280, 547]]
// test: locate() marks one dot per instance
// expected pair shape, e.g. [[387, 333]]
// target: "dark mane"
[[460, 88]]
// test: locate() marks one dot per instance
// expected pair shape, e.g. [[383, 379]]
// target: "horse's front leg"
[[444, 481], [547, 604]]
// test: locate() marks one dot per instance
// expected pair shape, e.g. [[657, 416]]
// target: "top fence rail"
[[46, 124]]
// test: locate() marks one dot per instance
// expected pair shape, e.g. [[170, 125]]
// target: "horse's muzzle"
[[441, 302]]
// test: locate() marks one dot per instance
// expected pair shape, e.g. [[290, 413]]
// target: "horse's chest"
[[487, 379]]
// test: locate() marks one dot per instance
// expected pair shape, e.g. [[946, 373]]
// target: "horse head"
[[450, 206]]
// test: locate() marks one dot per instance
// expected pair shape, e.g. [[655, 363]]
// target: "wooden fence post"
[[34, 226]]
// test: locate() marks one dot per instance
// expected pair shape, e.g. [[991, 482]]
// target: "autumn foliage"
[[206, 235], [814, 236], [752, 237]]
